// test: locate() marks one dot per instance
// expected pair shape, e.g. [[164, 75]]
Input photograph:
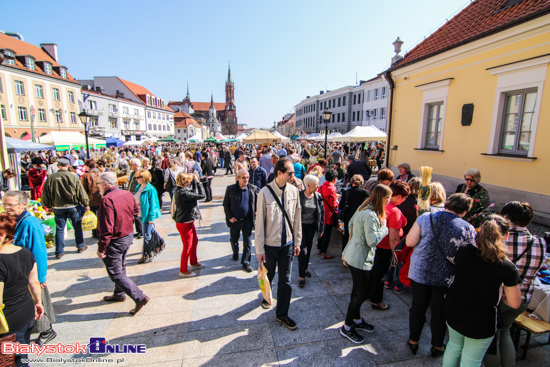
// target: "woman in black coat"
[[350, 201], [157, 179]]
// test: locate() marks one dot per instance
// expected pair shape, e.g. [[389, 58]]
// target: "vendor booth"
[[17, 146], [67, 140], [261, 136]]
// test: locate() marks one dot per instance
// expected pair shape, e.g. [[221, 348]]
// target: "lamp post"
[[84, 118], [326, 117]]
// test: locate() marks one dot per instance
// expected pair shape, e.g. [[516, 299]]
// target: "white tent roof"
[[362, 133], [329, 137], [284, 139], [67, 138], [241, 136], [196, 138], [133, 143]]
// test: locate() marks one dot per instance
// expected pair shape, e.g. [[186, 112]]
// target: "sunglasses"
[[290, 173], [469, 180], [138, 177]]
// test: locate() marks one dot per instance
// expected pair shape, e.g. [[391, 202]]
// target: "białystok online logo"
[[96, 346]]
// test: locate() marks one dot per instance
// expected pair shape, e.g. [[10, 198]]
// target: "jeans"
[[422, 297], [222, 162], [359, 293], [115, 264], [506, 351], [235, 233], [146, 229], [394, 271], [61, 216], [325, 240], [22, 336], [382, 261], [190, 240], [171, 192], [464, 351], [281, 257], [308, 234]]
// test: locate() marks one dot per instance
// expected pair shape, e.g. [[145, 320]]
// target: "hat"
[[36, 160], [63, 162]]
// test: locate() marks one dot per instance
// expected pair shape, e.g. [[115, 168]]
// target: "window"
[[149, 115], [1, 87], [148, 99], [63, 73], [383, 92], [325, 105], [113, 123], [93, 105], [368, 95], [22, 111], [136, 125], [9, 61], [70, 96], [112, 108], [374, 114], [125, 110], [73, 118], [333, 117], [517, 123], [376, 94], [329, 102], [39, 91], [94, 121], [126, 125], [382, 113], [19, 88], [149, 127], [3, 112], [58, 117], [30, 63], [434, 125], [55, 92], [354, 98], [339, 102], [353, 116], [42, 115], [334, 102], [136, 112], [359, 99], [338, 118], [343, 117], [343, 101], [48, 68]]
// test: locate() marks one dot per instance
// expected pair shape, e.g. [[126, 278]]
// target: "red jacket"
[[330, 201]]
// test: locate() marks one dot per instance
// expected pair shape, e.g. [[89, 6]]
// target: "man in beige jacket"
[[278, 241]]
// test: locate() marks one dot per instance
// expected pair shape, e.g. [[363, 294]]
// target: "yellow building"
[[475, 94]]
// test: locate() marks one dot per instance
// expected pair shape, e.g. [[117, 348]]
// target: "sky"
[[280, 51]]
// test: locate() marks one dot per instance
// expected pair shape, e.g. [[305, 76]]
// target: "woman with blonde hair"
[[170, 175], [472, 300], [437, 197], [185, 213], [367, 228], [149, 210]]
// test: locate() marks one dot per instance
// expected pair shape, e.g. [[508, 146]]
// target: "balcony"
[[126, 116], [137, 117], [113, 115], [94, 112]]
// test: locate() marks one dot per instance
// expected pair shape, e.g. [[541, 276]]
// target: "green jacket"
[[150, 207], [366, 233], [63, 188]]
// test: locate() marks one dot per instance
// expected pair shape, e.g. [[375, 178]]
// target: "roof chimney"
[[51, 49], [119, 94]]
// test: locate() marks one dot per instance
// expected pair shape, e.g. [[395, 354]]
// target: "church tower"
[[212, 122], [187, 104], [230, 123]]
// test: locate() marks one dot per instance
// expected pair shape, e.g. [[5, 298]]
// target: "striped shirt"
[[529, 264]]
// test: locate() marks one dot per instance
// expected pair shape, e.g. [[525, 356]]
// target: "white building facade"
[[351, 106]]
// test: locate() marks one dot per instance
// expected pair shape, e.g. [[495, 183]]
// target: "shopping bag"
[[265, 287], [4, 328], [89, 221]]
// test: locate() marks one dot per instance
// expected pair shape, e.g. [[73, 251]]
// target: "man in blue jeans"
[[63, 192]]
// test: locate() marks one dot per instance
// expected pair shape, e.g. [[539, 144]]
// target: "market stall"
[[15, 147], [362, 133], [261, 136], [67, 140], [284, 139]]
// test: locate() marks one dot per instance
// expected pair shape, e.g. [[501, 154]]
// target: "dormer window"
[[11, 59], [48, 68], [63, 73], [148, 98], [30, 63], [162, 103]]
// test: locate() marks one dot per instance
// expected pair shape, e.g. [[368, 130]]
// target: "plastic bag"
[[89, 221], [263, 280]]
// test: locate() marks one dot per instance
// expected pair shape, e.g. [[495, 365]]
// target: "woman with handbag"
[[436, 238], [351, 200], [170, 175], [149, 210], [313, 215], [472, 300], [330, 202], [157, 178], [368, 228], [20, 292], [185, 213]]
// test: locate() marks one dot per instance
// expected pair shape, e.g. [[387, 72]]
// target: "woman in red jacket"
[[37, 177], [330, 203]]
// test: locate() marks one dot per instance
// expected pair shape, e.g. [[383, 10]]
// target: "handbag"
[[171, 182], [342, 213], [4, 328], [437, 241], [333, 211], [154, 245]]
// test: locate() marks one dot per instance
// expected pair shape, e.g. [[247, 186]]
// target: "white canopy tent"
[[241, 136], [195, 138], [311, 136], [284, 139], [329, 137], [362, 133], [133, 143], [69, 139]]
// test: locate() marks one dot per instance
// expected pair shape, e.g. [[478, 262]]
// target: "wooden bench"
[[531, 326]]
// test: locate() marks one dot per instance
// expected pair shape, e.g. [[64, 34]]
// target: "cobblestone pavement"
[[215, 319]]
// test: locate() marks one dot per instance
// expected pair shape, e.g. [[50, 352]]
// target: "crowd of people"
[[453, 257]]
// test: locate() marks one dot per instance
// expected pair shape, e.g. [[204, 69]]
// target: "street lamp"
[[326, 117], [84, 118]]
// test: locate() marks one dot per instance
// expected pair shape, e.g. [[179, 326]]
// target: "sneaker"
[[248, 268], [302, 283], [287, 322], [46, 337], [187, 274], [196, 267], [364, 326], [352, 335], [398, 290], [388, 285], [265, 305]]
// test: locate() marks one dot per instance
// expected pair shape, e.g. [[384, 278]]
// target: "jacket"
[[366, 233], [320, 220], [63, 189], [258, 177], [206, 167], [351, 200], [150, 207], [231, 198], [89, 182], [115, 216], [330, 200], [187, 208], [270, 217], [29, 233]]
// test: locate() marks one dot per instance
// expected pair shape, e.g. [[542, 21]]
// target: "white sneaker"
[[190, 275]]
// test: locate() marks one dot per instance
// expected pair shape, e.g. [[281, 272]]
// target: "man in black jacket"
[[357, 167], [206, 179], [239, 205], [228, 161]]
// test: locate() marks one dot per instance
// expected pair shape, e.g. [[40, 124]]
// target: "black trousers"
[[381, 266], [359, 293], [424, 296], [345, 238], [207, 188], [244, 226], [325, 240], [138, 225], [280, 257], [308, 234]]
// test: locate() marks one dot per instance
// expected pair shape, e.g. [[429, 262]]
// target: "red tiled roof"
[[22, 48], [141, 93], [181, 115], [200, 106], [478, 20]]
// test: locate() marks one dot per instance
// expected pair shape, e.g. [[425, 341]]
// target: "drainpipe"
[[387, 76]]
